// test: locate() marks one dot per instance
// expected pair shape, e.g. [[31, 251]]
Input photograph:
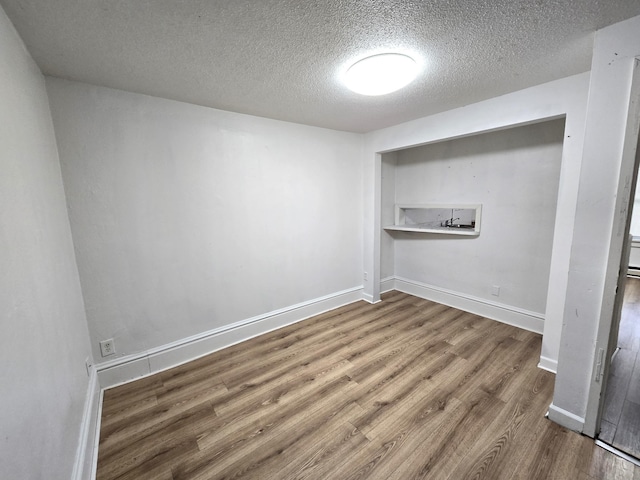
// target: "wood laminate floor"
[[403, 389], [620, 425]]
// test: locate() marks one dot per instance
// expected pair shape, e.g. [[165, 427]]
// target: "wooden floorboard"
[[403, 389], [620, 425]]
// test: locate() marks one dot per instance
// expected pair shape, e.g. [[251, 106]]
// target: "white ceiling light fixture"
[[381, 74]]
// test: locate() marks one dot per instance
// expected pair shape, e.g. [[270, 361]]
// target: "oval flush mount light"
[[381, 74]]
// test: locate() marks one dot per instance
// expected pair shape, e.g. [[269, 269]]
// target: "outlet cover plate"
[[107, 347]]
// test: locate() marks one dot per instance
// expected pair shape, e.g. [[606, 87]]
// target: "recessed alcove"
[[437, 218], [514, 175]]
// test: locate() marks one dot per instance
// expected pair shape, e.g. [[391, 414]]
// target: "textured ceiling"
[[283, 58]]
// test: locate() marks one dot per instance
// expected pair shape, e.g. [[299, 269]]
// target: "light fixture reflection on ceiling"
[[381, 74]]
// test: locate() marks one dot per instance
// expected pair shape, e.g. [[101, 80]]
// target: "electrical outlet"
[[495, 291], [107, 347], [366, 276]]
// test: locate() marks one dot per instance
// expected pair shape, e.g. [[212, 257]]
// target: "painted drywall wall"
[[635, 219], [562, 98], [634, 255], [44, 332], [605, 185], [514, 175], [387, 213], [186, 219]]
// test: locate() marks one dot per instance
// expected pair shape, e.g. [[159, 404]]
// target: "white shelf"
[[444, 219], [441, 230]]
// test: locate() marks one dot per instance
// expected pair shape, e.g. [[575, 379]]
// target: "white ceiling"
[[282, 59]]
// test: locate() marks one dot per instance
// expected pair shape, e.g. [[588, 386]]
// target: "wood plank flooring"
[[404, 389], [621, 415]]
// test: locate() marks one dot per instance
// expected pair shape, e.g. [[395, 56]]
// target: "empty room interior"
[[222, 257]]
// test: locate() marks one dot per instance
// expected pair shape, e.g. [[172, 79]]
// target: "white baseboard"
[[86, 453], [515, 316], [367, 298], [566, 418], [387, 284], [96, 437], [548, 364], [128, 368], [131, 367]]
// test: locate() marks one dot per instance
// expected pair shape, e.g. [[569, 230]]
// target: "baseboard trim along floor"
[[518, 317], [127, 368]]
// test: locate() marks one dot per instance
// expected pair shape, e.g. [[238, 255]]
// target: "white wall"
[[186, 219], [634, 257], [635, 220], [44, 339], [387, 213], [601, 215], [514, 174], [565, 97]]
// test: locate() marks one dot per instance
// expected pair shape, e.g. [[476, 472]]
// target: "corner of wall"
[[566, 419], [527, 320], [87, 452], [548, 364]]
